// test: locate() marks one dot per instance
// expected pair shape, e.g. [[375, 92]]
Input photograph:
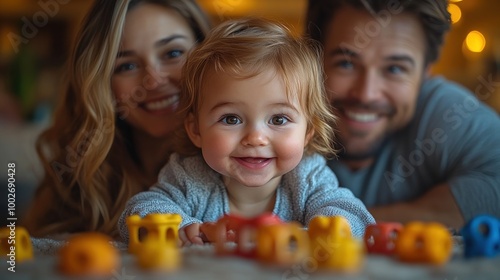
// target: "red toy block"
[[381, 238], [244, 230]]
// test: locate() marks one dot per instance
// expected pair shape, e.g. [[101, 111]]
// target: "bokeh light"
[[475, 41], [455, 12]]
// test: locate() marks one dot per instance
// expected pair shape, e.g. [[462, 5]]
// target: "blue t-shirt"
[[453, 138]]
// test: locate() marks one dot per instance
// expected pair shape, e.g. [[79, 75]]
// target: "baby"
[[255, 133]]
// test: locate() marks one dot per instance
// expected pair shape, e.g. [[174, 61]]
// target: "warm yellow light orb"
[[475, 41], [455, 12]]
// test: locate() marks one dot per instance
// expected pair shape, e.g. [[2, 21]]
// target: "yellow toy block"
[[158, 258], [15, 244], [282, 244], [332, 245], [346, 255], [162, 229], [333, 228], [424, 243]]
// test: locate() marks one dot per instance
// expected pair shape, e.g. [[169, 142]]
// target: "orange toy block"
[[162, 229], [89, 254], [424, 243], [282, 244], [332, 245], [244, 230], [15, 244], [381, 238]]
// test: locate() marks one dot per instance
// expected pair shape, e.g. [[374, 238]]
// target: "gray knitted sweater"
[[189, 187]]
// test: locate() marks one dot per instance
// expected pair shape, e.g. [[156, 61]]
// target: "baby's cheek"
[[290, 153], [216, 157]]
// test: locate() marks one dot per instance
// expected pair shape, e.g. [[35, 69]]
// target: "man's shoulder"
[[446, 104], [440, 89]]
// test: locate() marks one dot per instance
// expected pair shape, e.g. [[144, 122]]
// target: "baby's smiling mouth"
[[254, 160]]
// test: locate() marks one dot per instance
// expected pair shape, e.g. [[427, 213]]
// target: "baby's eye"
[[278, 120], [231, 120]]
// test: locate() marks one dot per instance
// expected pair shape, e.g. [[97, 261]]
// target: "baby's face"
[[248, 129]]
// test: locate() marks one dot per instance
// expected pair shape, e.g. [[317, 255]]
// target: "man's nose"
[[367, 87]]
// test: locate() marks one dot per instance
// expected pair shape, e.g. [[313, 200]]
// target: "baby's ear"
[[192, 129]]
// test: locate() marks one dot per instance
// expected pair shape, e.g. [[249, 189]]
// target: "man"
[[413, 147]]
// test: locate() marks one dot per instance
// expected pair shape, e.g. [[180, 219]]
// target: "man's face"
[[374, 70]]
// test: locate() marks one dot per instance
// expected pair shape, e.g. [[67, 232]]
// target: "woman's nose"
[[155, 76]]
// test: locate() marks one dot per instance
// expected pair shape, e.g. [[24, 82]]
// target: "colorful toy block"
[[15, 244], [335, 228], [380, 238], [345, 255], [482, 237], [162, 229], [158, 258], [244, 233], [424, 243], [282, 244], [332, 245], [88, 254]]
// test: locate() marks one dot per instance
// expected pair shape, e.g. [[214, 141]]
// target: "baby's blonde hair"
[[244, 48]]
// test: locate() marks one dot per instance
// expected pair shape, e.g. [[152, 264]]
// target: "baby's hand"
[[209, 233], [190, 234]]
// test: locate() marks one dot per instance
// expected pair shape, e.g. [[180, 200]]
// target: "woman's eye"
[[231, 120], [125, 67], [279, 120], [175, 54], [345, 64]]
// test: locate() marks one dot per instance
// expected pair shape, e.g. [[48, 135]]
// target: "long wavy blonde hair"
[[246, 47], [90, 166]]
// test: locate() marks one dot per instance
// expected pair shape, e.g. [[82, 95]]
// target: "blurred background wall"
[[35, 36]]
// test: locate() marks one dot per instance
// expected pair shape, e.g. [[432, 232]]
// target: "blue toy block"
[[482, 237]]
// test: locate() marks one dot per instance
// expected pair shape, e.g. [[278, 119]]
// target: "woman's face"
[[145, 81]]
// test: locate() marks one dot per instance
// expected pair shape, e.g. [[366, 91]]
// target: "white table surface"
[[200, 262]]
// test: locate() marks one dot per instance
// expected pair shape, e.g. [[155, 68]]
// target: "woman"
[[111, 131]]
